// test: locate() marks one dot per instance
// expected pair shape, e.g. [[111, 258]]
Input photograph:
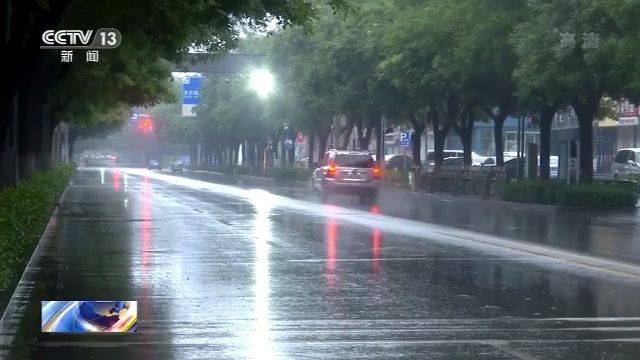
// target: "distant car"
[[476, 159], [398, 162], [453, 161], [626, 164], [154, 164], [177, 165], [431, 155], [490, 161], [348, 172]]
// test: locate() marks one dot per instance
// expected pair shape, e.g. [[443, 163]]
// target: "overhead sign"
[[190, 95], [405, 138]]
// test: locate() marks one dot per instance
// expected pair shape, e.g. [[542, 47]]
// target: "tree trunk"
[[586, 114], [365, 139], [440, 132], [311, 144], [498, 141], [416, 144], [379, 143], [586, 151], [29, 133], [465, 130], [416, 140], [236, 153], [348, 129], [8, 141], [546, 119], [322, 144]]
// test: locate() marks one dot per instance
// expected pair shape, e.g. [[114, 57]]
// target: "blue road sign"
[[405, 138], [191, 90], [190, 95]]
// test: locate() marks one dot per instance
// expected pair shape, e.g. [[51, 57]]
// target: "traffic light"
[[145, 123]]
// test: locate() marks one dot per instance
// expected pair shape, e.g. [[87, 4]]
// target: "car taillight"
[[331, 171], [377, 173]]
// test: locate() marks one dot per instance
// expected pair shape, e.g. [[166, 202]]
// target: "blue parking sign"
[[405, 139]]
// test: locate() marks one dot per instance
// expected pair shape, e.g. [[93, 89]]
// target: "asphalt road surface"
[[225, 272]]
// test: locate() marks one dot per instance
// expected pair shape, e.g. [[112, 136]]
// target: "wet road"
[[222, 272]]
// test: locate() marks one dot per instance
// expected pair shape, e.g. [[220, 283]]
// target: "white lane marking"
[[437, 233]]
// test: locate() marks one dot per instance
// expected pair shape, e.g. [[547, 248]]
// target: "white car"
[[348, 172], [476, 159], [626, 163], [508, 155]]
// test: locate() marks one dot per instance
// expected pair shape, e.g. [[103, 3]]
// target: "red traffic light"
[[146, 123]]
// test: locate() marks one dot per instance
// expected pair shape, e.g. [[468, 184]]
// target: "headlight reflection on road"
[[263, 204], [376, 242], [331, 239], [102, 175], [116, 180]]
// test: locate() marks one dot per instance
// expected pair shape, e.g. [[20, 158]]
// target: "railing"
[[486, 181]]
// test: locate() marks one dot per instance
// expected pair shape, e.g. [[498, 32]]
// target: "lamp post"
[[262, 82]]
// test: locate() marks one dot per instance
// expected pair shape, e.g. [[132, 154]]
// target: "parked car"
[[489, 161], [154, 164], [626, 163], [453, 161], [476, 159], [348, 172], [431, 155], [398, 162], [177, 165]]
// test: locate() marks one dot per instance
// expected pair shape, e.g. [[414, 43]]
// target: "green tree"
[[576, 52], [169, 29]]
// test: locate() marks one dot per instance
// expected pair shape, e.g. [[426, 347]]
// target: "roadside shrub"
[[25, 210], [555, 193]]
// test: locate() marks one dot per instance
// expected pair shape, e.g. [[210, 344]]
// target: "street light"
[[262, 82]]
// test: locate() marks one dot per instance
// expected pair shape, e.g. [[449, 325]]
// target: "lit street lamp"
[[262, 82]]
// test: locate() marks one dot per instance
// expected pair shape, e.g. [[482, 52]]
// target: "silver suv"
[[626, 163], [348, 172]]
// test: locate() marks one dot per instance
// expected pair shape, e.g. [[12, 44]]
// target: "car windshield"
[[354, 160]]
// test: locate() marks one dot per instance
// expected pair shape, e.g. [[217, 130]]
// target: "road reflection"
[[376, 243], [261, 342], [116, 180], [146, 195], [331, 239], [145, 224]]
